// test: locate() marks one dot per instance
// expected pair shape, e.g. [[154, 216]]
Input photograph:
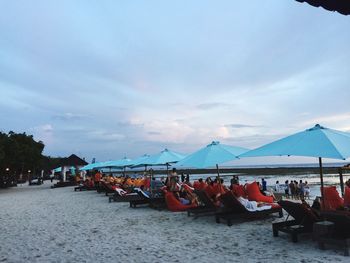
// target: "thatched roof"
[[340, 6], [73, 160]]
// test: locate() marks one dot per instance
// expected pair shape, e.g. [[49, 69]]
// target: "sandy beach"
[[39, 224]]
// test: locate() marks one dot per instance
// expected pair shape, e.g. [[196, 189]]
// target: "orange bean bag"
[[347, 197], [175, 205], [331, 198], [254, 194], [238, 190]]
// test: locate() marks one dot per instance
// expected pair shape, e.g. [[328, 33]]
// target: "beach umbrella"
[[317, 142], [341, 6], [213, 154], [91, 166], [138, 161], [165, 157]]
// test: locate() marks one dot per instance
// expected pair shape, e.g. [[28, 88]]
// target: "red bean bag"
[[209, 190], [219, 189], [238, 190], [175, 205], [196, 185], [331, 198], [254, 194], [347, 197]]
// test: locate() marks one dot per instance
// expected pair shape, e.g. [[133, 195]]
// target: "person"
[[301, 189], [286, 188], [347, 183], [316, 204], [306, 190], [97, 179], [52, 175], [292, 188], [263, 184], [182, 177], [252, 205], [277, 187]]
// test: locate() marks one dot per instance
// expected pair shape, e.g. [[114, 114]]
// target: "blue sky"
[[109, 79]]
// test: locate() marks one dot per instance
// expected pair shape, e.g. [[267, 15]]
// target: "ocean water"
[[312, 179]]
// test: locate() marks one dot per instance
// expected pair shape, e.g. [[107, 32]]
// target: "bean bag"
[[199, 186], [254, 194], [331, 198], [238, 190], [175, 205], [219, 189], [209, 190], [347, 197]]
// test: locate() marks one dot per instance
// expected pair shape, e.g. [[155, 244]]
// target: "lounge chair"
[[233, 209], [84, 187], [340, 234], [207, 208], [304, 218], [106, 188]]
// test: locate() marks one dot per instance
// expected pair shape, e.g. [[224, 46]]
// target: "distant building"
[[67, 164]]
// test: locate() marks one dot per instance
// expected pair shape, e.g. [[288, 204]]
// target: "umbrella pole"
[[341, 181], [321, 176], [167, 169], [217, 170]]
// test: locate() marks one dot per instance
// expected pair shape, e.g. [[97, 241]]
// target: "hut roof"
[[73, 160]]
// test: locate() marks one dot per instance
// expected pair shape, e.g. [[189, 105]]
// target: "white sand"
[[38, 224]]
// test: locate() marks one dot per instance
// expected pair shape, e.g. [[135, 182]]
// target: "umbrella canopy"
[[122, 163], [91, 166], [212, 155], [165, 157], [315, 142], [318, 142], [138, 161]]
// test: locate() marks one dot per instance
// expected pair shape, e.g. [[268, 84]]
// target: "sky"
[[109, 79]]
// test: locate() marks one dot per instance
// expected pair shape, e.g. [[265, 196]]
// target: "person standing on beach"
[[301, 189], [292, 189], [263, 184], [286, 188]]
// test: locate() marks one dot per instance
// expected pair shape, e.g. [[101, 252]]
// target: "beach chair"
[[84, 187], [303, 221], [233, 209], [207, 208], [339, 236]]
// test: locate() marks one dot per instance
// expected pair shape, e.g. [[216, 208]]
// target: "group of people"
[[294, 189]]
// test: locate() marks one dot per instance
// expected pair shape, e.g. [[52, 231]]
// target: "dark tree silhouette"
[[340, 6]]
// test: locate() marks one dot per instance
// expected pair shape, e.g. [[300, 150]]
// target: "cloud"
[[211, 106], [69, 116], [239, 126]]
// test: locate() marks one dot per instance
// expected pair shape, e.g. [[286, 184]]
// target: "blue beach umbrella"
[[138, 161], [318, 142], [165, 157], [91, 166], [212, 155]]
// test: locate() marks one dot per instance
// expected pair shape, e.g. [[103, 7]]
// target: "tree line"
[[21, 157]]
